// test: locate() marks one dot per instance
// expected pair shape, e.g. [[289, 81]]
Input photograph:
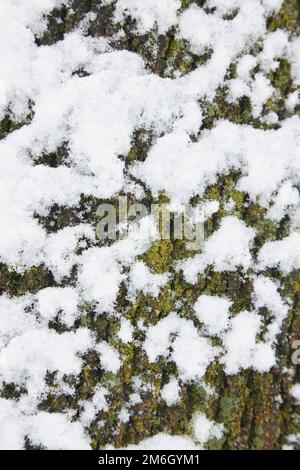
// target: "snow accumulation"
[[186, 342], [97, 114], [226, 249], [149, 13], [213, 311], [170, 392], [295, 392], [126, 331], [141, 278], [163, 441], [204, 429]]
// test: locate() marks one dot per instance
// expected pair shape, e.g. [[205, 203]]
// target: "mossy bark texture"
[[256, 409]]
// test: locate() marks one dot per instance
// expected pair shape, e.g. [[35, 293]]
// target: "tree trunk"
[[256, 409]]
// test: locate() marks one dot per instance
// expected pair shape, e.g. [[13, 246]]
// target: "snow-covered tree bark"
[[167, 340]]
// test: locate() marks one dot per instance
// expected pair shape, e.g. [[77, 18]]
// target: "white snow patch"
[[213, 311], [126, 331], [191, 352], [164, 441], [142, 279], [93, 406], [183, 168], [27, 358], [97, 115], [242, 350], [54, 301], [149, 13], [295, 392], [266, 295], [284, 254], [170, 392], [54, 431], [226, 249], [287, 198], [204, 429], [110, 358], [292, 100]]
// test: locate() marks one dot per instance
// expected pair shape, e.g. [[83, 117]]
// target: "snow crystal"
[[227, 249], [292, 101], [295, 61], [204, 429], [149, 13], [126, 331], [272, 5], [244, 66], [275, 46], [54, 301], [93, 406], [110, 359], [29, 356], [164, 441], [141, 279], [261, 91], [182, 168], [266, 295], [242, 351], [100, 277], [191, 352], [61, 434], [14, 320], [213, 311], [170, 392], [284, 253], [124, 415], [295, 392]]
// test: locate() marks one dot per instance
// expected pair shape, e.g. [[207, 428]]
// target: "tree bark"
[[248, 403]]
